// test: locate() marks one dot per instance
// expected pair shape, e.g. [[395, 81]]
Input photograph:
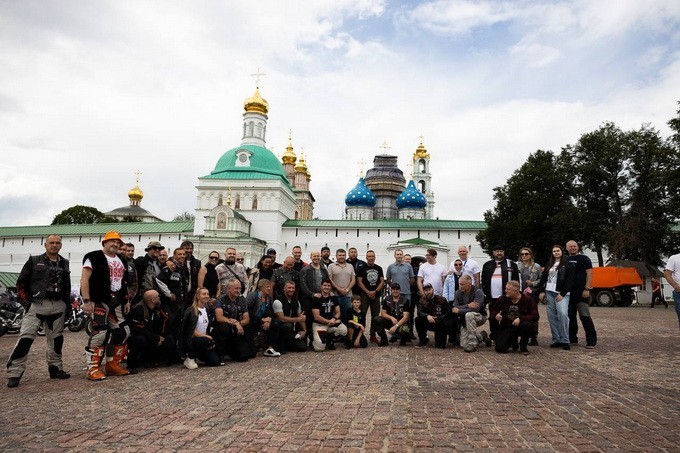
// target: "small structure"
[[643, 293]]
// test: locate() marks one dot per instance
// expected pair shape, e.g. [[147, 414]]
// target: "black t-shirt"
[[232, 309], [326, 306], [358, 317], [397, 308], [370, 275], [581, 263]]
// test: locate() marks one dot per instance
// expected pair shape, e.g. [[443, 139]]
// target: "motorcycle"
[[11, 314], [76, 319]]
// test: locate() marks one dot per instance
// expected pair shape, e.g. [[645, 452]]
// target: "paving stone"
[[620, 396]]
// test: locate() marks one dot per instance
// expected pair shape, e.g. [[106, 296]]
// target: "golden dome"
[[289, 156], [135, 193], [301, 166], [256, 103], [421, 152]]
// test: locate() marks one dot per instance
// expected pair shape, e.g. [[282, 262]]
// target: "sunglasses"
[[214, 257], [525, 254], [458, 265], [239, 259]]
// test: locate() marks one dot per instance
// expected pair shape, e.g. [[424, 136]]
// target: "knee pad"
[[58, 344], [21, 350], [118, 336]]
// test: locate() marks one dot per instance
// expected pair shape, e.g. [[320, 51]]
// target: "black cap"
[[427, 285], [395, 285], [271, 252], [499, 247]]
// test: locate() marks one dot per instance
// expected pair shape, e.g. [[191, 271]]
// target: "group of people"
[[158, 309]]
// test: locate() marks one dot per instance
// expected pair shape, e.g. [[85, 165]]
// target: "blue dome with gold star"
[[411, 197], [361, 195]]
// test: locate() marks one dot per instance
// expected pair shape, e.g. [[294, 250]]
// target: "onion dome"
[[411, 197], [361, 195], [256, 103], [301, 165], [421, 152], [289, 156], [135, 194]]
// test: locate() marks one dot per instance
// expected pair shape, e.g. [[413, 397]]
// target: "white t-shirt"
[[432, 274], [116, 271], [470, 267], [497, 282], [673, 265], [202, 323]]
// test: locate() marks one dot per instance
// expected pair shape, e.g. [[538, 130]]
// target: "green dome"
[[263, 165]]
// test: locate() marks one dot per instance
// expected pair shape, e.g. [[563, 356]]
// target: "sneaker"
[[524, 350], [330, 346], [486, 339], [515, 347], [590, 346], [56, 373], [13, 382], [374, 339], [190, 363], [533, 342], [565, 346], [271, 352], [422, 343], [556, 345], [383, 343]]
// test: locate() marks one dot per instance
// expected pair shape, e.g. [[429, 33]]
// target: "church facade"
[[252, 200]]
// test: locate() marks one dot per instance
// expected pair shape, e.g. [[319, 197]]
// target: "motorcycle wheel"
[[2, 328], [77, 324]]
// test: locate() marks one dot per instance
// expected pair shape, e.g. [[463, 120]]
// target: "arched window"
[[244, 129], [258, 130], [254, 202], [421, 186], [422, 166], [219, 200], [237, 202], [297, 215], [251, 129]]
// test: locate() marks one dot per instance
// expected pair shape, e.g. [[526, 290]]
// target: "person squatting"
[[159, 310]]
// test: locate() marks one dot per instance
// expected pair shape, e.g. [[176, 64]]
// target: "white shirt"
[[432, 274], [497, 282], [202, 323], [673, 265]]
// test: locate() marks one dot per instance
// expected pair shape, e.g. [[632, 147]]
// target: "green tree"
[[648, 196], [533, 208], [596, 166], [186, 215], [79, 214]]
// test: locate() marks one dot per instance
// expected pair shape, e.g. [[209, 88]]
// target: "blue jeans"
[[558, 317], [345, 305], [676, 300]]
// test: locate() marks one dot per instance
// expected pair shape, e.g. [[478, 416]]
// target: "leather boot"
[[94, 370], [113, 366]]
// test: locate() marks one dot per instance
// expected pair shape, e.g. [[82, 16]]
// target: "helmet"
[[112, 235]]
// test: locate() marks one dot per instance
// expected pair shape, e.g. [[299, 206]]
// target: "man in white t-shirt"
[[431, 272], [672, 275], [470, 266], [103, 285]]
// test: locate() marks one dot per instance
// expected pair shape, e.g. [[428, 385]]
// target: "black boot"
[[589, 328], [56, 373]]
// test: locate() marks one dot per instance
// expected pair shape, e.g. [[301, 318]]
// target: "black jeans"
[[141, 351], [230, 343], [287, 340], [204, 349], [506, 336], [441, 328], [578, 305]]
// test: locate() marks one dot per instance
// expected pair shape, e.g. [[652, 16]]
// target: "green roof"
[[263, 165], [417, 241], [390, 223], [124, 228], [9, 279]]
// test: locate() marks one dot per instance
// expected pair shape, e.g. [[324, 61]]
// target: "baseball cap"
[[427, 285], [154, 245], [395, 285]]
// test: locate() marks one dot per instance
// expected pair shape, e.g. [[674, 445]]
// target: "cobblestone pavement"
[[623, 395]]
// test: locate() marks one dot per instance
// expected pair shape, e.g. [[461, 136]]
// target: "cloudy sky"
[[92, 91]]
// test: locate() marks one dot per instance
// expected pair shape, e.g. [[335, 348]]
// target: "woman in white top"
[[198, 343], [555, 285]]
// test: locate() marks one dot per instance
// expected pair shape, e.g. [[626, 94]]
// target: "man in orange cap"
[[103, 287]]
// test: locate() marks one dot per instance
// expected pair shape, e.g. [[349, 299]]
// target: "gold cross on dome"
[[137, 174], [361, 167], [385, 146]]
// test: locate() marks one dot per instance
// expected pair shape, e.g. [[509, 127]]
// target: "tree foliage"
[[186, 215], [614, 191], [80, 214]]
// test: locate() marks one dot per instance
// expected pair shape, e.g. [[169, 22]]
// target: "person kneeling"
[[516, 314], [394, 316], [231, 321], [147, 342], [197, 323], [356, 329], [326, 316]]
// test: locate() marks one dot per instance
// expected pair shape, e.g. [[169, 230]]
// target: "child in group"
[[356, 325]]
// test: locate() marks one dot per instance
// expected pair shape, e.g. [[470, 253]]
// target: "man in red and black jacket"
[[516, 314]]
